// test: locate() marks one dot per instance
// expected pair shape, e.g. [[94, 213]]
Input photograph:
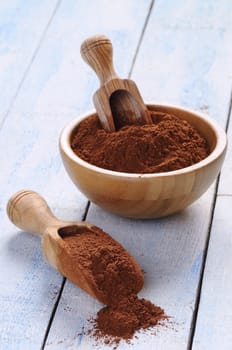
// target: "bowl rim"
[[220, 147]]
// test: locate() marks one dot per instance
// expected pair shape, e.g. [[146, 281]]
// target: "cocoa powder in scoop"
[[112, 272], [115, 280], [166, 145]]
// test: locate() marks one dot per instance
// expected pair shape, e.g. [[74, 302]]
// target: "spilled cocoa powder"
[[115, 278], [166, 145], [124, 319]]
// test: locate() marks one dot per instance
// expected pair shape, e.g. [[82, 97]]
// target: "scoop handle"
[[30, 212], [97, 51]]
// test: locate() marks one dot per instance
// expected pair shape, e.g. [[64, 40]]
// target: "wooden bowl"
[[147, 195]]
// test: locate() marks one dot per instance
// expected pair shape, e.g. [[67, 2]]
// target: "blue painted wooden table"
[[178, 52]]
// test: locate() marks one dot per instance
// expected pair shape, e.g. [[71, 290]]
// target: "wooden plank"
[[37, 107], [185, 56], [170, 251], [25, 312], [173, 66], [52, 93], [66, 84], [213, 327], [23, 269], [29, 289], [23, 25]]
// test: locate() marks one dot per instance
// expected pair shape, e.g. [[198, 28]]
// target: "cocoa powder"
[[124, 319], [115, 278], [109, 268], [166, 145]]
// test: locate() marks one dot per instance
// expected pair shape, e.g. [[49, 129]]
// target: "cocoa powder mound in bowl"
[[166, 145], [169, 173]]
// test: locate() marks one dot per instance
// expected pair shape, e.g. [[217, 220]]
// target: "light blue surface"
[[184, 58]]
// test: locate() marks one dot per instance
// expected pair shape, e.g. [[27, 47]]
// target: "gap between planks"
[[141, 37], [229, 112], [53, 314]]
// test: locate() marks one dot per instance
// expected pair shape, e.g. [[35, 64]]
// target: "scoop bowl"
[[147, 195]]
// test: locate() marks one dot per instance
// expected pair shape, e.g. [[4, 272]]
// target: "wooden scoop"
[[30, 212], [118, 101]]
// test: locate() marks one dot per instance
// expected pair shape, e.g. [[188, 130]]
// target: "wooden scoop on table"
[[30, 212], [118, 101]]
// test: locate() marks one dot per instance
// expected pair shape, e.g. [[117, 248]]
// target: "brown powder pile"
[[166, 145], [124, 319], [115, 278]]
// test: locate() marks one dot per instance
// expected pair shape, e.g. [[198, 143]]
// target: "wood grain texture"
[[214, 316], [29, 211], [118, 101], [65, 84], [148, 195], [23, 26], [54, 89], [170, 252], [59, 87], [184, 58], [29, 289], [23, 269], [213, 327], [173, 65]]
